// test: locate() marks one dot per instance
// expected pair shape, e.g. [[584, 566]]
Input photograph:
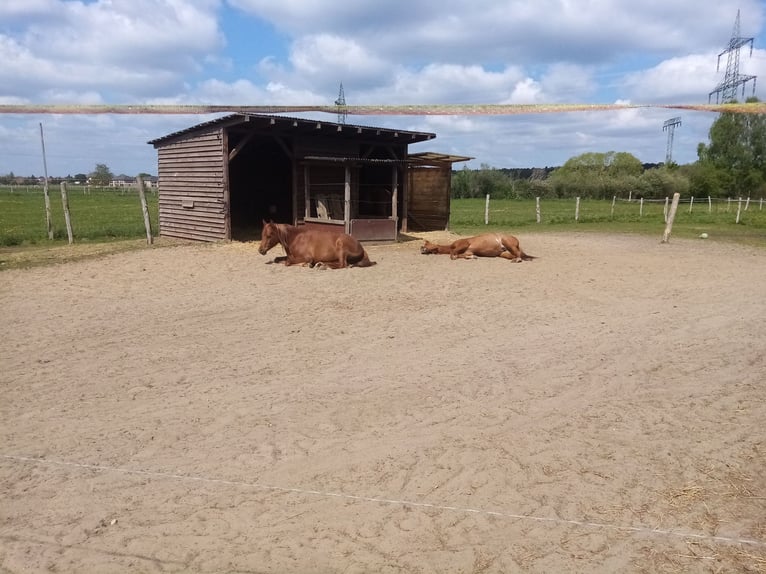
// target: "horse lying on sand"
[[314, 247], [485, 245]]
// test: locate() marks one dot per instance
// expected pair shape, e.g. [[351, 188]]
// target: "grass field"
[[107, 215], [100, 215], [717, 218]]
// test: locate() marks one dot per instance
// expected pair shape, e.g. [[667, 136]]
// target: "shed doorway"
[[260, 187]]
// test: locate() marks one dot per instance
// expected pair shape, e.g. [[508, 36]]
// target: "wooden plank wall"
[[191, 188], [428, 207]]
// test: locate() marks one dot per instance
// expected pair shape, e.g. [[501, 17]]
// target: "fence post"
[[747, 203], [739, 208], [67, 218], [671, 217], [537, 209], [614, 199], [665, 211], [709, 205], [691, 204], [144, 209], [577, 209], [486, 211], [641, 208], [48, 219]]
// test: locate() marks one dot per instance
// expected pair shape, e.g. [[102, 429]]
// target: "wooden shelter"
[[220, 179]]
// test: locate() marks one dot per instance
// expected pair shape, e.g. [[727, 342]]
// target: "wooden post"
[[48, 220], [347, 201], [395, 194], [537, 209], [630, 196], [691, 204], [641, 208], [671, 217], [67, 218], [739, 208], [665, 211], [144, 209], [306, 192], [761, 206], [577, 209], [614, 199], [709, 205], [486, 210], [747, 202]]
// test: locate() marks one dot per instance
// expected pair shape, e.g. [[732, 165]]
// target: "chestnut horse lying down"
[[320, 247], [485, 245]]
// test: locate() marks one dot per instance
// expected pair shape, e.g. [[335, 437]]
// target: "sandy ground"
[[196, 409]]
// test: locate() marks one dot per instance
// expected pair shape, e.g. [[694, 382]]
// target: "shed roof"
[[430, 157], [294, 126]]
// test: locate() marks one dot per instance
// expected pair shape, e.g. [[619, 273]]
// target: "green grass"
[[108, 214], [718, 219], [98, 216]]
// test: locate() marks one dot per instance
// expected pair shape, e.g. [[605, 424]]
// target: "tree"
[[737, 151], [598, 175], [101, 176]]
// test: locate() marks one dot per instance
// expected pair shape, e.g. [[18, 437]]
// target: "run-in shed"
[[220, 179]]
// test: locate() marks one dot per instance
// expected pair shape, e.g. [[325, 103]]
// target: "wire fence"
[[476, 211]]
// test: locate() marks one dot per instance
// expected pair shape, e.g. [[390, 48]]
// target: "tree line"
[[101, 176], [732, 164]]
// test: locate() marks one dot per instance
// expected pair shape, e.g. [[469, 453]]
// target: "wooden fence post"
[[577, 209], [747, 203], [486, 210], [537, 209], [671, 217], [641, 208], [144, 209], [739, 208], [614, 199], [48, 220], [709, 205], [691, 204], [67, 218], [665, 211]]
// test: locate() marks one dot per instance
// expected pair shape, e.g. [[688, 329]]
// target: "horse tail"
[[365, 261], [526, 257]]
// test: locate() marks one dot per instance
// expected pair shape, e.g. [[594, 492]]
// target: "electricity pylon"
[[341, 104], [670, 127], [732, 79]]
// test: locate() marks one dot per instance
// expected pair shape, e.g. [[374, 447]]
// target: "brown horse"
[[314, 247], [485, 245]]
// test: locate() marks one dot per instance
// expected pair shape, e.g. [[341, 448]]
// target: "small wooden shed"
[[220, 179]]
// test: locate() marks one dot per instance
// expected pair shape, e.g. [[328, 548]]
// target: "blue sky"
[[295, 52]]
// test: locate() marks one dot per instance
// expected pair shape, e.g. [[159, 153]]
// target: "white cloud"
[[450, 51]]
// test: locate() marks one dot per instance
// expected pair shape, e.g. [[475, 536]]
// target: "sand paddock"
[[195, 409]]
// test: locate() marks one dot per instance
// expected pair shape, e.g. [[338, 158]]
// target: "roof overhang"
[[281, 125]]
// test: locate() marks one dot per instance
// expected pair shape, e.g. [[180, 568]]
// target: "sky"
[[298, 52]]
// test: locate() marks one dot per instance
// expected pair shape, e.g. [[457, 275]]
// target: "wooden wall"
[[192, 188], [428, 206]]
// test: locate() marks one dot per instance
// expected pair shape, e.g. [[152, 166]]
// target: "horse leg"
[[513, 251], [467, 254]]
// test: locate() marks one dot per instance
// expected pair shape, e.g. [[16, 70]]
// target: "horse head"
[[429, 248], [269, 237]]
